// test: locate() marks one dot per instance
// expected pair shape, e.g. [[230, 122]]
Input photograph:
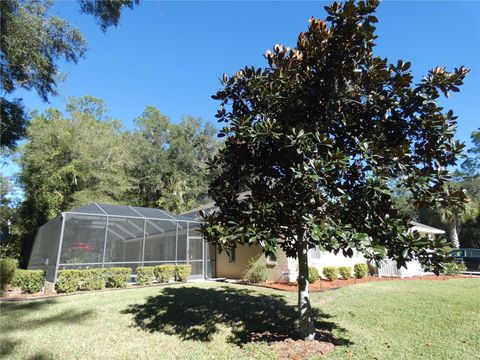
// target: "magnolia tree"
[[323, 137]]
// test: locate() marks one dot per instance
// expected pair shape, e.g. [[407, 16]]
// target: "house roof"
[[194, 214], [425, 228]]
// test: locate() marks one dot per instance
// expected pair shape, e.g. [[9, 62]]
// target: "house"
[[283, 268], [103, 235]]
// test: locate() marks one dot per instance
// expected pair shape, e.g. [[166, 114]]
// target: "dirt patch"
[[322, 285], [290, 349]]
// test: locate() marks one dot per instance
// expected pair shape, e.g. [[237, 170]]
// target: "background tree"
[[10, 245], [31, 43], [319, 136], [170, 160], [471, 165], [454, 215], [460, 222], [470, 181], [69, 161]]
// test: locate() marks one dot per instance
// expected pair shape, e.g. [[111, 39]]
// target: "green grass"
[[381, 320]]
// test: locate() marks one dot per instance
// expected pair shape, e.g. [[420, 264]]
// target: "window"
[[456, 253], [271, 259], [232, 255], [472, 253]]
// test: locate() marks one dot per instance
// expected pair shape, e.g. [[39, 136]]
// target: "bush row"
[[162, 273], [96, 279], [30, 281], [92, 279], [345, 272], [454, 268]]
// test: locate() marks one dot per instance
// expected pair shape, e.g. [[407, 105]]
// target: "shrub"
[[68, 281], [454, 268], [182, 272], [117, 276], [7, 271], [313, 274], [30, 281], [91, 279], [461, 267], [360, 270], [163, 273], [256, 272], [145, 275], [330, 272], [345, 272]]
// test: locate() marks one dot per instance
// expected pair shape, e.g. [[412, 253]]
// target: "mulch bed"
[[322, 285], [290, 349]]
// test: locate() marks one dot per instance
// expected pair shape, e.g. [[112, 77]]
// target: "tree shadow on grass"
[[13, 315], [194, 313], [29, 315]]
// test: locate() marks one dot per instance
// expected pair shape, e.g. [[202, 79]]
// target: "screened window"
[[160, 238], [182, 242], [124, 240], [83, 239]]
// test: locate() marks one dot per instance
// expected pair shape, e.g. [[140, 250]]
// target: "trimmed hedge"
[[345, 272], [360, 270], [7, 271], [163, 273], [68, 281], [91, 279], [330, 272], [117, 276], [313, 274], [30, 281], [145, 275], [454, 268], [182, 272]]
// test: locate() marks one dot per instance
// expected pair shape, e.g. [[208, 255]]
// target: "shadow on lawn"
[[195, 314], [13, 315], [13, 318]]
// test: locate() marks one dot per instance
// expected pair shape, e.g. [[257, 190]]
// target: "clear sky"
[[171, 54]]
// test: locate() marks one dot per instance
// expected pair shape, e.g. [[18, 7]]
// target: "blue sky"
[[171, 54]]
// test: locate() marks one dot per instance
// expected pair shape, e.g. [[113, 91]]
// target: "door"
[[195, 256]]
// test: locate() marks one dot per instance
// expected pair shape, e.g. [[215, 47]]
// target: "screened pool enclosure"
[[101, 236]]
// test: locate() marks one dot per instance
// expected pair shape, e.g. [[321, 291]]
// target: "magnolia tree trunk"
[[307, 328]]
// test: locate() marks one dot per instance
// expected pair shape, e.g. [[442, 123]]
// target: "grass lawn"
[[380, 320]]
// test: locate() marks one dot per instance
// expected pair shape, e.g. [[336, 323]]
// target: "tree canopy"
[[70, 160], [323, 137], [83, 155], [170, 160], [31, 44]]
